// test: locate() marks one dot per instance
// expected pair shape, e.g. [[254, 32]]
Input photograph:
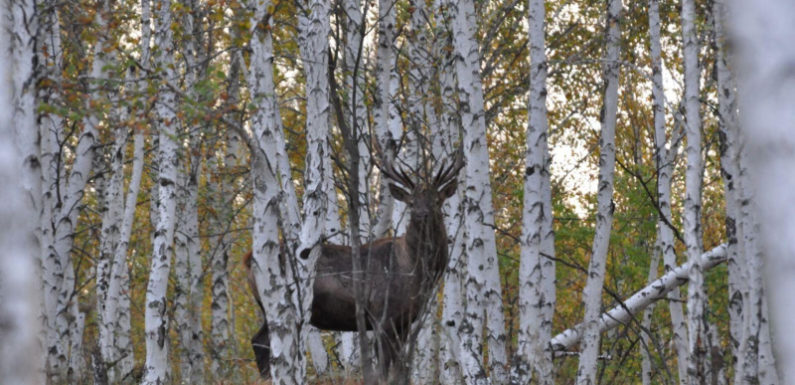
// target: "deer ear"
[[449, 189], [398, 193]]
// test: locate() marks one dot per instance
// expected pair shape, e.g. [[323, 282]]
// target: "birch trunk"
[[50, 130], [483, 292], [592, 293], [665, 155], [22, 150], [19, 277], [764, 54], [188, 259], [273, 278], [220, 323], [107, 315], [313, 41], [119, 288], [696, 295], [453, 292], [730, 151], [354, 64], [188, 271], [388, 127], [156, 366], [536, 266]]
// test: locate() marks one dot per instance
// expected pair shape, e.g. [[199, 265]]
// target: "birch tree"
[[19, 277], [273, 278], [748, 323], [188, 268], [113, 203], [188, 259], [63, 193], [156, 320], [664, 156], [314, 43], [592, 293], [388, 126], [225, 197], [696, 294], [536, 266], [483, 293]]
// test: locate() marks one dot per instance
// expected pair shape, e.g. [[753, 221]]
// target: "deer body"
[[401, 272]]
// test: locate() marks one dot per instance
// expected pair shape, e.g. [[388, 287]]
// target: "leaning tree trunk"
[[483, 293], [536, 266], [156, 366], [592, 293]]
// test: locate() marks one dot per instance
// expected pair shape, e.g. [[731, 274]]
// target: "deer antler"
[[388, 169], [445, 175]]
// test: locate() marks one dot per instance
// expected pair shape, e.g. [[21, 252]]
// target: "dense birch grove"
[[570, 192]]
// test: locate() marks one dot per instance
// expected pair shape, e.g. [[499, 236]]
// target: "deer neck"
[[426, 239]]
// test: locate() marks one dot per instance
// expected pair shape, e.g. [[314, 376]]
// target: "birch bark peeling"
[[592, 293]]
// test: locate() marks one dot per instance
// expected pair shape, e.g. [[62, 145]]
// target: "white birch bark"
[[50, 131], [19, 277], [107, 315], [66, 349], [696, 295], [730, 158], [155, 318], [59, 209], [762, 39], [22, 27], [188, 271], [220, 324], [453, 292], [592, 293], [354, 67], [313, 42], [664, 159], [483, 293], [536, 266], [119, 287], [188, 259], [273, 278], [622, 313], [387, 124]]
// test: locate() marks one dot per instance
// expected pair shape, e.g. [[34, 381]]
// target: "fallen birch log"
[[623, 312]]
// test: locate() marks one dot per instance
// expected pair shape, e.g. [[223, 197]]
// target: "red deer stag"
[[401, 271]]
